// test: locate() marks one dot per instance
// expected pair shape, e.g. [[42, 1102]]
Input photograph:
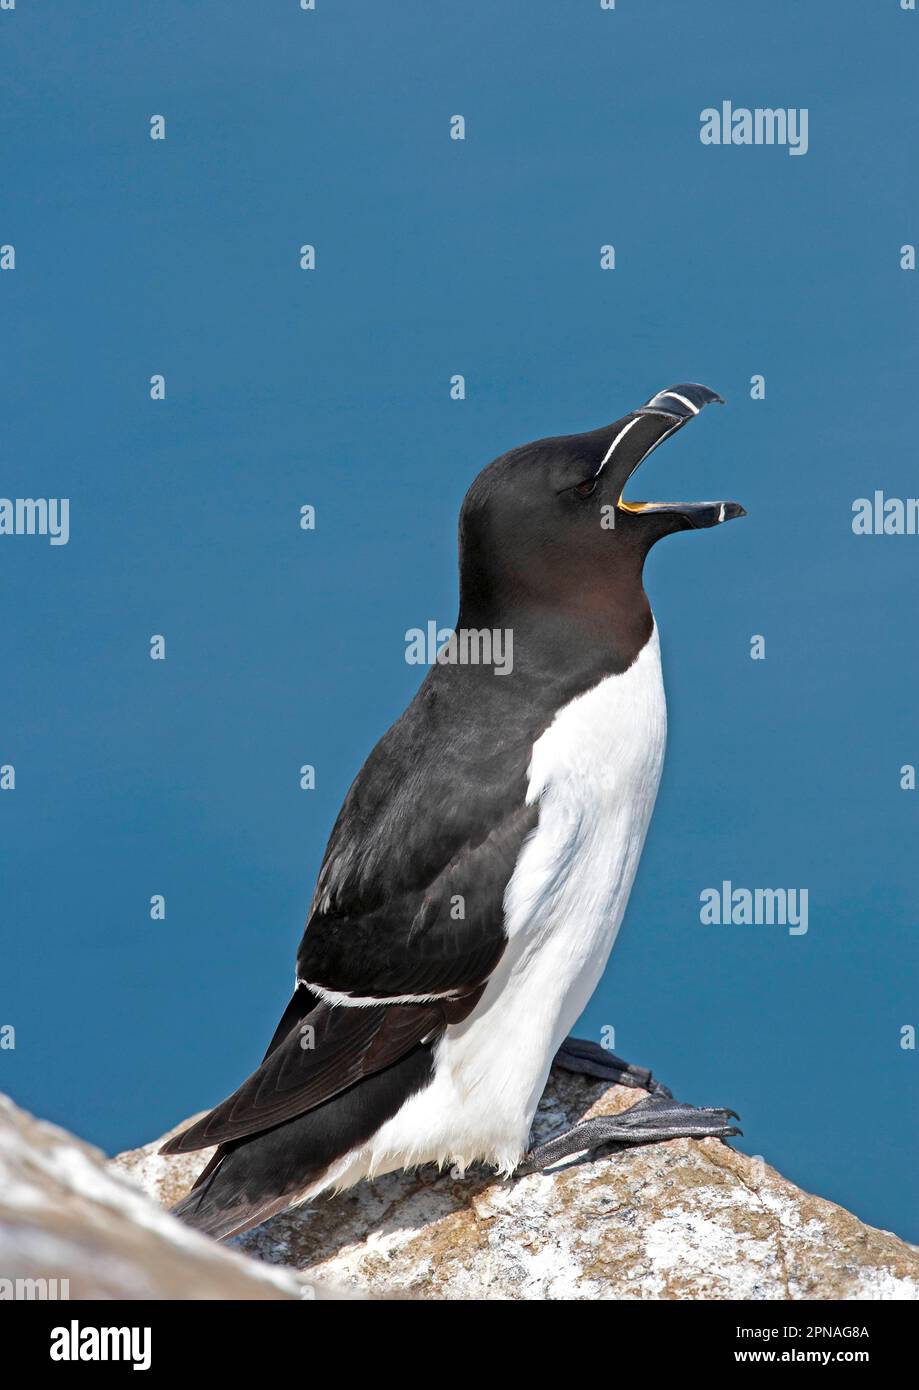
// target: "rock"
[[65, 1216], [682, 1220]]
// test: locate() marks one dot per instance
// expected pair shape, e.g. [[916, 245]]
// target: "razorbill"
[[478, 871]]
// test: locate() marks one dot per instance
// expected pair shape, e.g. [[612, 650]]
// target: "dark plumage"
[[437, 816]]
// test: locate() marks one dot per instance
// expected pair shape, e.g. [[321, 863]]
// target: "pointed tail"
[[255, 1177]]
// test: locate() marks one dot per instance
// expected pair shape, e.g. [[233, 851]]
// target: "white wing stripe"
[[334, 996]]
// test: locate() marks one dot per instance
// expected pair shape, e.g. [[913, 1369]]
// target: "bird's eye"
[[587, 488]]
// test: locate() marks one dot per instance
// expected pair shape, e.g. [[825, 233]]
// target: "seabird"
[[480, 866]]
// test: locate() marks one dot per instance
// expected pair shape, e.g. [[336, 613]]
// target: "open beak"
[[639, 434]]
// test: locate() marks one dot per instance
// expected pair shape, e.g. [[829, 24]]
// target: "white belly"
[[595, 773]]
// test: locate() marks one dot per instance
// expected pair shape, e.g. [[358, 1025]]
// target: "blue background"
[[285, 387]]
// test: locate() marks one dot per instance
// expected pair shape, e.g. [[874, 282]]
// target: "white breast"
[[595, 773]]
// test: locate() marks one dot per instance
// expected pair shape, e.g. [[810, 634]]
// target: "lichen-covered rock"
[[71, 1228], [686, 1219]]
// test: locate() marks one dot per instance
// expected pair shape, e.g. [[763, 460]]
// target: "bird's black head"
[[545, 535]]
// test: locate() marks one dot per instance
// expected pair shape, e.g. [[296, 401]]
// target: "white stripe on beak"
[[620, 436], [674, 396]]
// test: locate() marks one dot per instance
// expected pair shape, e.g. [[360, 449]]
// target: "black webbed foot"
[[651, 1121]]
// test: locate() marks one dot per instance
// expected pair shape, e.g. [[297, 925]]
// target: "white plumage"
[[595, 772]]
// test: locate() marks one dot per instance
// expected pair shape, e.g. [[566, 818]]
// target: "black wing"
[[407, 917]]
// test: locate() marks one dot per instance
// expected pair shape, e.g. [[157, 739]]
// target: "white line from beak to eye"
[[674, 396], [621, 435]]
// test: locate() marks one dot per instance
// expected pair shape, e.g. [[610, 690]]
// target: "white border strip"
[[335, 997]]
